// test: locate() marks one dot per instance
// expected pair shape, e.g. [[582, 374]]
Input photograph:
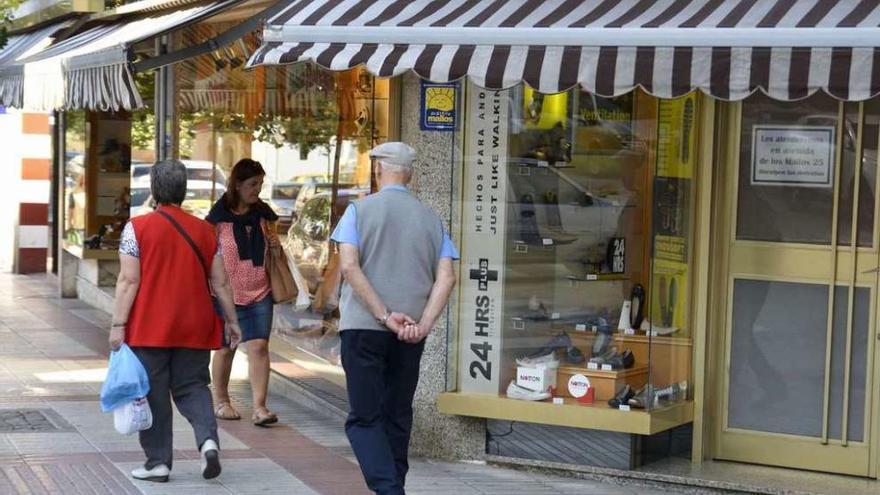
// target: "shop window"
[[311, 129], [789, 155], [106, 155], [577, 239], [75, 177]]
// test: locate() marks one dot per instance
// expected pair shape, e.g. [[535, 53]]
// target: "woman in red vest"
[[245, 229], [163, 311]]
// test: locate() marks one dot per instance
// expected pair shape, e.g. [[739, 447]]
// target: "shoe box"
[[606, 383], [538, 378]]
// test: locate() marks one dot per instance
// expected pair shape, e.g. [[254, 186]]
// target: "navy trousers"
[[381, 373]]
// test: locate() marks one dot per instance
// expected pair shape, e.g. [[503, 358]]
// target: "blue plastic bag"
[[126, 380]]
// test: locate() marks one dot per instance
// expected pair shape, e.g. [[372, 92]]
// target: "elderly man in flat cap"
[[396, 259]]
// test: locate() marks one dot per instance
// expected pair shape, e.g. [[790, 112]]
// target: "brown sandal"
[[225, 411], [264, 417]]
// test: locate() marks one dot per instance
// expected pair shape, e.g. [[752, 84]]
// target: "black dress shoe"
[[622, 361], [622, 397], [573, 355]]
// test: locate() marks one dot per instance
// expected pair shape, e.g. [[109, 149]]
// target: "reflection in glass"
[[311, 130], [75, 177]]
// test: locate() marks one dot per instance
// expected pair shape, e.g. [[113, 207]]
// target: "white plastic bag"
[[133, 416], [303, 301]]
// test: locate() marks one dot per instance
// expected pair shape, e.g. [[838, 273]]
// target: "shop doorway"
[[796, 295]]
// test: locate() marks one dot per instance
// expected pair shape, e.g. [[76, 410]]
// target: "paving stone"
[[56, 369]]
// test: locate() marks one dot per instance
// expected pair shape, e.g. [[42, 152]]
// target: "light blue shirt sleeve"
[[346, 230], [448, 250]]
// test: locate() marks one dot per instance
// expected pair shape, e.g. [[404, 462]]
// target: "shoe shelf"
[[596, 277], [570, 413], [537, 163], [670, 357], [606, 383]]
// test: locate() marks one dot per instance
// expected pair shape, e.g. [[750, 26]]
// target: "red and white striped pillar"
[[32, 234]]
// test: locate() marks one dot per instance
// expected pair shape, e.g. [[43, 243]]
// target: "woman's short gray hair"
[[168, 182]]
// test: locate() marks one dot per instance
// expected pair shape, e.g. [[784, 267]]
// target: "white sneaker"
[[158, 474], [514, 391], [548, 360], [210, 460]]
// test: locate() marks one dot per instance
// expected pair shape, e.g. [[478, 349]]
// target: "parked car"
[[312, 189], [200, 196], [195, 170], [308, 240], [282, 200]]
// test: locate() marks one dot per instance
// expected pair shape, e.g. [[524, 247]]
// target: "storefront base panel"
[[682, 475], [606, 449], [805, 454], [597, 417]]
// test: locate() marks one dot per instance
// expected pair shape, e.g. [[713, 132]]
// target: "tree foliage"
[[7, 8]]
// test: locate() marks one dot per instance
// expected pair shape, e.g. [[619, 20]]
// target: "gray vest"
[[400, 240]]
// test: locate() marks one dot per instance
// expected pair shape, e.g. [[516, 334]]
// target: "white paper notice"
[[801, 156]]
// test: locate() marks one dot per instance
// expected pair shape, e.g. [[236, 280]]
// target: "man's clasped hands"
[[406, 328]]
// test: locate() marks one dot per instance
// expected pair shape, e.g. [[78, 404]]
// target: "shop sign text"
[[801, 156], [483, 248], [439, 106]]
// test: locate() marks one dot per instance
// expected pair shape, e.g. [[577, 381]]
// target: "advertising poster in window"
[[604, 125], [676, 137], [483, 240], [676, 157]]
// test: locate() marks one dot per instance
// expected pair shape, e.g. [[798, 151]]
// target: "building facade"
[[669, 234]]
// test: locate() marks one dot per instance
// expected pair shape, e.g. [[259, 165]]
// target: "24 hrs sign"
[[483, 240]]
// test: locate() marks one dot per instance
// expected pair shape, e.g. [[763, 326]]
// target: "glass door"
[[800, 290]]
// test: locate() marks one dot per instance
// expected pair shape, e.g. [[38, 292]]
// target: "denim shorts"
[[254, 319]]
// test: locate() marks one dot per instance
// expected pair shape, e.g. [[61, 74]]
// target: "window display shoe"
[[643, 398], [573, 355], [556, 236], [548, 360], [158, 474], [560, 341], [604, 357], [672, 393], [622, 361], [601, 343], [621, 397], [514, 391], [210, 454]]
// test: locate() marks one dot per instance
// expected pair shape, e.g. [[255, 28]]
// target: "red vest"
[[173, 307]]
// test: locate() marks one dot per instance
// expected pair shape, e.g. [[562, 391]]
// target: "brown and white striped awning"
[[727, 48]]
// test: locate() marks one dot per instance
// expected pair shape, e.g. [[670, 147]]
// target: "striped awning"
[[788, 49], [18, 47], [92, 70]]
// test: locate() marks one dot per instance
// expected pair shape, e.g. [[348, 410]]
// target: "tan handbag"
[[280, 278], [327, 295]]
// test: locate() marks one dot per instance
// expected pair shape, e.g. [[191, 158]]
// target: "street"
[[54, 439]]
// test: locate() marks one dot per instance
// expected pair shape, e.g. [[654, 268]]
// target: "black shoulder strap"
[[188, 240]]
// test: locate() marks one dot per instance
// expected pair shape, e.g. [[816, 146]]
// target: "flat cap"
[[394, 153]]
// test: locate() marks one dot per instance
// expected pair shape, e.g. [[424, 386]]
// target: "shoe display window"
[[577, 247]]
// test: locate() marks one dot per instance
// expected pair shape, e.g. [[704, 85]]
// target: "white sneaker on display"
[[158, 474], [514, 391], [548, 360], [210, 459]]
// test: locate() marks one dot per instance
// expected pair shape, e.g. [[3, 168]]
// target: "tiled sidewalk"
[[52, 362]]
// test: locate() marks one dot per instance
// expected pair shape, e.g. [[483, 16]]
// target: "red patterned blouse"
[[249, 283]]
